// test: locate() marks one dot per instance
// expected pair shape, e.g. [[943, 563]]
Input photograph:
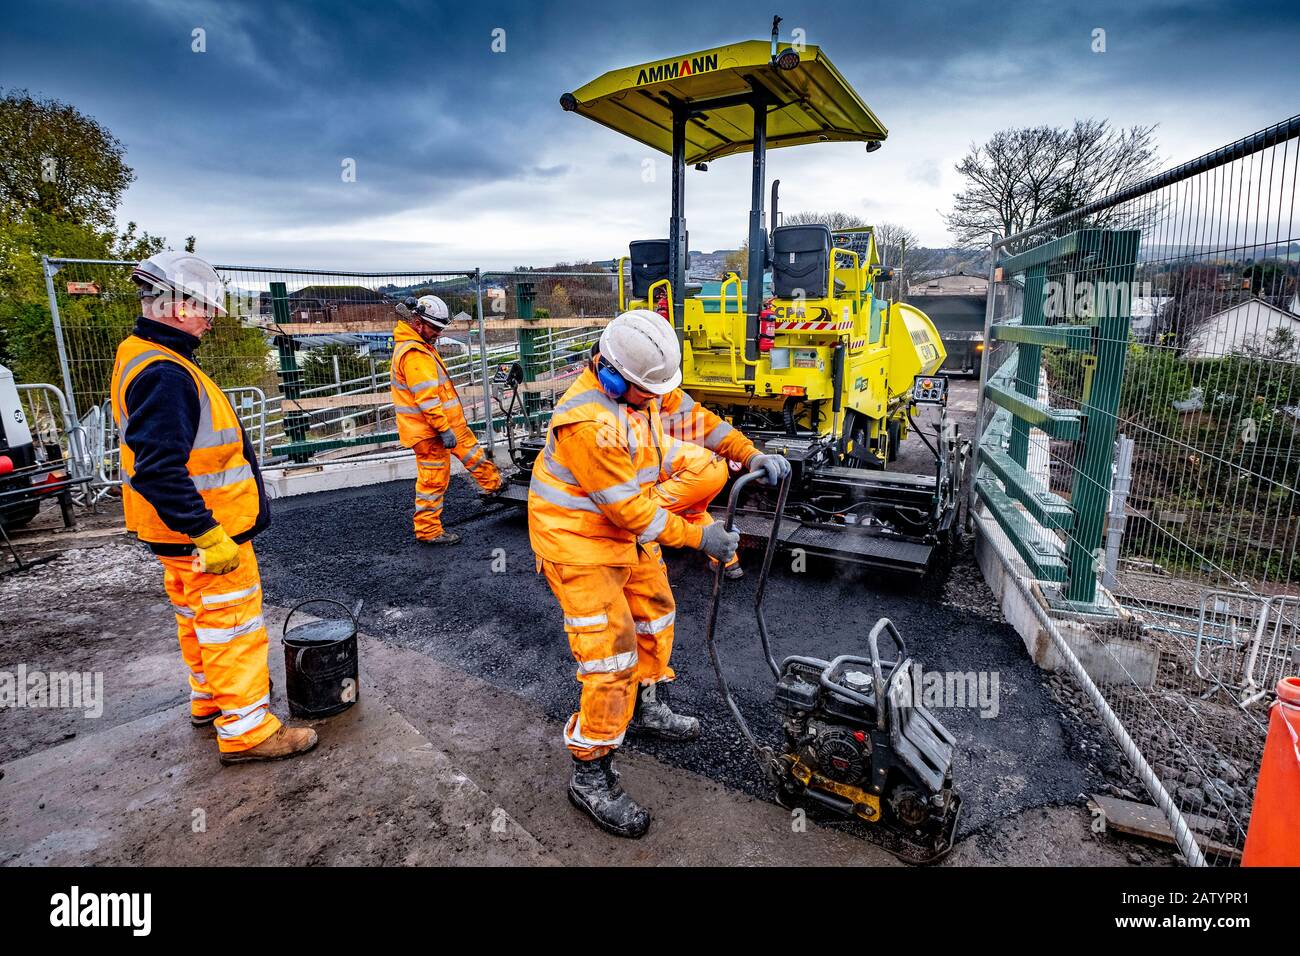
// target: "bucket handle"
[[353, 612]]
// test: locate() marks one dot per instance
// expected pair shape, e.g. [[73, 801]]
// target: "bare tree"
[[895, 244], [835, 220], [1022, 177]]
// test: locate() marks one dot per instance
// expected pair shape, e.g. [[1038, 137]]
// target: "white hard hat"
[[181, 273], [644, 349], [433, 310]]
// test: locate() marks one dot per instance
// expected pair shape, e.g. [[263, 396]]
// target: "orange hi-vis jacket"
[[424, 397], [221, 474], [588, 501]]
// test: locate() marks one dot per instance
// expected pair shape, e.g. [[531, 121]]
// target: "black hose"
[[787, 413], [782, 493], [716, 601], [917, 428]]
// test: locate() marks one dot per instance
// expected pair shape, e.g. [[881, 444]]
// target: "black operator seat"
[[649, 265], [801, 261]]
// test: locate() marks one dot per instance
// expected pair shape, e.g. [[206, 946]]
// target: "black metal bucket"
[[320, 662]]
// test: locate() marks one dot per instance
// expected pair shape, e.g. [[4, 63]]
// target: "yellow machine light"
[[793, 390], [979, 347]]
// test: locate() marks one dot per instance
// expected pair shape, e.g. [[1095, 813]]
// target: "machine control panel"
[[930, 390]]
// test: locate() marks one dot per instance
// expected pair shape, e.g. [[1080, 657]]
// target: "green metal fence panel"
[[1094, 262], [1092, 479]]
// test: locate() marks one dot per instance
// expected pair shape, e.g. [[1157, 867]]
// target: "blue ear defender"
[[614, 384]]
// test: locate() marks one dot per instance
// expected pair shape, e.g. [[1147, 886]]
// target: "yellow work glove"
[[218, 554]]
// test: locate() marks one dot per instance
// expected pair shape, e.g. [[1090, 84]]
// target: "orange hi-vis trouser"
[[433, 475], [224, 643], [698, 475], [620, 626]]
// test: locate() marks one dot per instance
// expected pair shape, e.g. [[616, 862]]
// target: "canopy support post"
[[757, 231], [677, 222]]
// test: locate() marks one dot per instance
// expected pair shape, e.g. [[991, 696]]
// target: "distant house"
[[953, 283], [1145, 311], [1249, 324], [334, 303]]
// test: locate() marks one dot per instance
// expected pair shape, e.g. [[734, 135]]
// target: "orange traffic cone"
[[1273, 838]]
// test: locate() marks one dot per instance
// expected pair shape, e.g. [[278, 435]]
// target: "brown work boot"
[[285, 742], [444, 539]]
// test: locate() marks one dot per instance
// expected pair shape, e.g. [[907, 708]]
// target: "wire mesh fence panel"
[[547, 321], [1196, 393], [304, 355], [328, 339]]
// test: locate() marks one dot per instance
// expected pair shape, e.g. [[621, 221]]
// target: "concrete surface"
[[127, 788], [285, 481]]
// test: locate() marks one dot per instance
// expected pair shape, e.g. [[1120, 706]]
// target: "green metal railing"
[[1059, 537]]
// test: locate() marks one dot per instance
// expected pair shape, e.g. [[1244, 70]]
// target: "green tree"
[[737, 261], [59, 162], [61, 177]]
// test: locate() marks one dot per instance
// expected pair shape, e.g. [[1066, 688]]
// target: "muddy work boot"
[[285, 742], [446, 538], [654, 716], [595, 790]]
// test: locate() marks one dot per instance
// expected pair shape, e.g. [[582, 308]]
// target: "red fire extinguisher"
[[661, 304], [766, 327]]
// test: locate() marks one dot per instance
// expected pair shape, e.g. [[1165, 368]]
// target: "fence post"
[[78, 452], [1118, 502], [524, 300], [50, 269], [295, 422], [489, 432], [990, 307]]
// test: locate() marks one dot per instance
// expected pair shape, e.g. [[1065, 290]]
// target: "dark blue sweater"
[[163, 408]]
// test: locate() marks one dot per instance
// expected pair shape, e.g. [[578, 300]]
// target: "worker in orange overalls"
[[429, 416], [692, 477], [192, 492], [597, 531]]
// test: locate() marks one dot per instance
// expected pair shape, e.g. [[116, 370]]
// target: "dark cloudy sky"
[[463, 156]]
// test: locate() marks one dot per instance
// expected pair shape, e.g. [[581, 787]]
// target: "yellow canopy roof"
[[811, 103]]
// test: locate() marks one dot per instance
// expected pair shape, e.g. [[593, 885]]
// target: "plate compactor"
[[856, 739]]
